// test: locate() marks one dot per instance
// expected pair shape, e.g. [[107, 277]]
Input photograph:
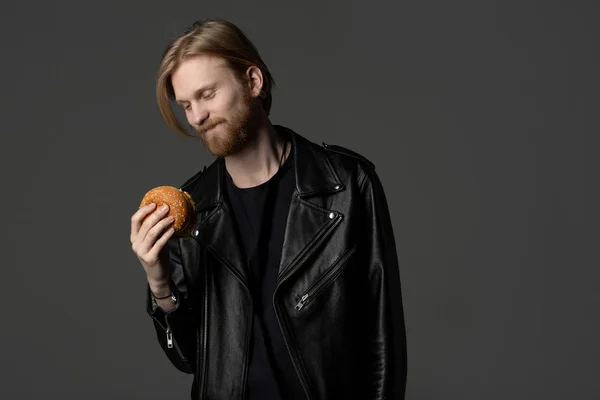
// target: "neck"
[[260, 159]]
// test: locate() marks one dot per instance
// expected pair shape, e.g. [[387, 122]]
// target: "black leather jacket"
[[338, 298]]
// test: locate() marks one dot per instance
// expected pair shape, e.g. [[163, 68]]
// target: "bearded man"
[[289, 286]]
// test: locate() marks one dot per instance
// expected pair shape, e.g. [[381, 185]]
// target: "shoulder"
[[190, 182], [335, 149], [196, 179], [357, 167]]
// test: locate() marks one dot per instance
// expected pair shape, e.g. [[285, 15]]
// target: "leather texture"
[[338, 296]]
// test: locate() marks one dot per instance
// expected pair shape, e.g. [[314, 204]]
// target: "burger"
[[181, 206]]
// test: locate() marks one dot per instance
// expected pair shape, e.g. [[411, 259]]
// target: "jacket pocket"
[[325, 280]]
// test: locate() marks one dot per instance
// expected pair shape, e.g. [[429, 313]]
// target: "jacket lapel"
[[216, 226], [310, 221]]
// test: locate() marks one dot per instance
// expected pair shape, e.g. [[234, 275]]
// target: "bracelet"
[[171, 296], [162, 298]]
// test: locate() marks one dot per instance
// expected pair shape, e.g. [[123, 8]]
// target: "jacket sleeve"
[[176, 329], [388, 331]]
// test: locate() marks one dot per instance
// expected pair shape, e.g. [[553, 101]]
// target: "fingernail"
[[151, 205], [164, 207]]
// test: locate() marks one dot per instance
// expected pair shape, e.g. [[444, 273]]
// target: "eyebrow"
[[198, 91]]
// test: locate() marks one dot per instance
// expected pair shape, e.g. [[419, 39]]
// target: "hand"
[[149, 234]]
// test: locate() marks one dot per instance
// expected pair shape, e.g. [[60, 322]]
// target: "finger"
[[150, 221], [153, 234], [160, 243], [138, 217]]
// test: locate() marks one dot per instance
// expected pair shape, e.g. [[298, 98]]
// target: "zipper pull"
[[169, 339], [301, 302]]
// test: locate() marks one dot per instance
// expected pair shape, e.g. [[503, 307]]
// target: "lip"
[[211, 128]]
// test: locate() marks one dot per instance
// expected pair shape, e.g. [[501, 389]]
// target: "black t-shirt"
[[261, 216]]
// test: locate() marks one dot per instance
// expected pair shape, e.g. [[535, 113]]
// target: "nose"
[[199, 114]]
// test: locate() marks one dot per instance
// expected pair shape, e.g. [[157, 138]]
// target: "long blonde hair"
[[215, 37]]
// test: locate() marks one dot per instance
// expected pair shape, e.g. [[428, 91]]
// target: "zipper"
[[300, 375], [204, 333], [169, 339], [172, 342], [311, 251], [325, 280], [249, 324], [280, 320]]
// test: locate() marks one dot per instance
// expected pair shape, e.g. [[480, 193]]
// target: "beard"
[[237, 129]]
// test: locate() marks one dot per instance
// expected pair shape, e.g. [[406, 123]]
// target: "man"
[[288, 287]]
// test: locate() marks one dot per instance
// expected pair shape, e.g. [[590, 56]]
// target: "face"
[[218, 106]]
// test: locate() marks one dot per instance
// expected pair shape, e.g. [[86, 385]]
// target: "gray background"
[[479, 116]]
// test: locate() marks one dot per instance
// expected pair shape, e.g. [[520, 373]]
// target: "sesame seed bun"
[[181, 206]]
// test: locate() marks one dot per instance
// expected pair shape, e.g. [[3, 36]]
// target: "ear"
[[254, 78]]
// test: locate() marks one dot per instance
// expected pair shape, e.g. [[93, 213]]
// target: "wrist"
[[159, 288], [163, 296]]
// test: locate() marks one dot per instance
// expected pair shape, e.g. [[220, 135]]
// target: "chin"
[[218, 147]]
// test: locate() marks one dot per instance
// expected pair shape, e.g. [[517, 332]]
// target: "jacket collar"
[[315, 175]]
